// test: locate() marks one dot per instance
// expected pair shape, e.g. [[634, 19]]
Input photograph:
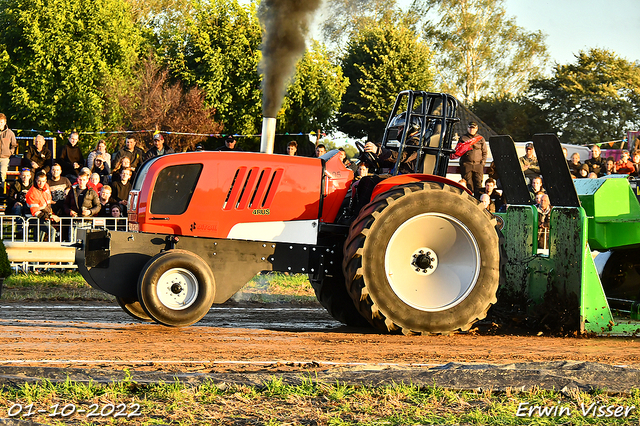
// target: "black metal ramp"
[[505, 158], [555, 171]]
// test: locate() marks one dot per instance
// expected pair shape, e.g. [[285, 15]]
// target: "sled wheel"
[[332, 294], [423, 258], [176, 288], [133, 308]]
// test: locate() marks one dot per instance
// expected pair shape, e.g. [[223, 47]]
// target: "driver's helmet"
[[399, 122]]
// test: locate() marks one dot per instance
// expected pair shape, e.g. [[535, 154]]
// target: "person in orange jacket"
[[39, 202]]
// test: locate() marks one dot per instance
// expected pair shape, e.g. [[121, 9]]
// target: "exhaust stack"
[[268, 137]]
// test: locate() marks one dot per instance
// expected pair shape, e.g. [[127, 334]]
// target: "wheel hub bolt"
[[424, 261], [176, 288]]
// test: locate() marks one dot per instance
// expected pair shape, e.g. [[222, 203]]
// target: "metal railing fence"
[[32, 243]]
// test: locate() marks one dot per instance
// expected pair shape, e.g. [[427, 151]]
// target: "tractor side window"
[[173, 188]]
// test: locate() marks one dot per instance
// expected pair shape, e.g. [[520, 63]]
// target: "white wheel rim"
[[177, 289], [442, 279]]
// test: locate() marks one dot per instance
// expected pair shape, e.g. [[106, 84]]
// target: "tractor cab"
[[420, 125]]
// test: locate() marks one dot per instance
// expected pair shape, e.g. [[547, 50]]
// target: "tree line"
[[193, 66]]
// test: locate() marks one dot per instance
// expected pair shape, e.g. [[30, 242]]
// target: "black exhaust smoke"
[[286, 24]]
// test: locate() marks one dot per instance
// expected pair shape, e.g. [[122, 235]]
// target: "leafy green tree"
[[480, 51], [57, 56], [380, 61], [593, 100], [345, 17], [508, 115], [314, 95], [219, 51]]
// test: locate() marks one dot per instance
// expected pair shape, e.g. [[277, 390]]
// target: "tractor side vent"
[[253, 187]]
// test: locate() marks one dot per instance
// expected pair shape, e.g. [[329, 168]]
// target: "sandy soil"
[[118, 343]]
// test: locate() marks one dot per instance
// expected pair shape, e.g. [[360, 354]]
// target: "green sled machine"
[[562, 287]]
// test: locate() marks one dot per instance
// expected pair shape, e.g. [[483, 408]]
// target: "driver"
[[387, 157]]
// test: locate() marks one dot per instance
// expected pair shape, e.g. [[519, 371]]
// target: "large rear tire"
[[133, 308], [423, 258], [176, 288], [332, 294]]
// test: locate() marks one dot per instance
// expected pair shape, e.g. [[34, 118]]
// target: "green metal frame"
[[566, 275]]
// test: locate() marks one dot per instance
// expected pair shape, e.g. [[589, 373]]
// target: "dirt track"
[[82, 335]]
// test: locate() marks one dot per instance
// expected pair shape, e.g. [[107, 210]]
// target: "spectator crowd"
[[72, 187]]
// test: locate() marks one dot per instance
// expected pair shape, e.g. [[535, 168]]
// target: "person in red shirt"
[[39, 202], [625, 166]]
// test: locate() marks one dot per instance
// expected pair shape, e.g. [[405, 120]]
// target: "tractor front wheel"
[[423, 258], [176, 288], [133, 308]]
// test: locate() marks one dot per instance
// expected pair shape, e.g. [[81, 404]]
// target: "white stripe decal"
[[295, 231]]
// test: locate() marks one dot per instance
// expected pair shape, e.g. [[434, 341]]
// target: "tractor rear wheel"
[[133, 308], [176, 288], [423, 258], [332, 294]]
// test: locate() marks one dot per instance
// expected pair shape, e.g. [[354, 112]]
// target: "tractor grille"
[[253, 188]]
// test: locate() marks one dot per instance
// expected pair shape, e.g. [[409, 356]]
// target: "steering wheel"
[[367, 157]]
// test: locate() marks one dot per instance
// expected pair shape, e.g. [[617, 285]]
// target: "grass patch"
[[54, 285], [277, 403], [69, 285], [277, 287]]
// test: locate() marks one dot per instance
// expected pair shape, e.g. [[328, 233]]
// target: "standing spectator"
[[292, 148], [94, 182], [583, 171], [485, 200], [105, 205], [37, 157], [320, 150], [229, 144], [544, 213], [536, 186], [625, 166], [472, 162], [343, 157], [17, 198], [120, 190], [102, 170], [610, 167], [8, 146], [495, 197], [59, 186], [575, 165], [596, 163], [363, 170], [121, 164], [99, 152], [158, 148], [39, 202], [131, 151], [81, 200], [529, 163], [636, 163], [71, 158]]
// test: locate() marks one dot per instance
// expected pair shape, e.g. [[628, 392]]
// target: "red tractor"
[[421, 255]]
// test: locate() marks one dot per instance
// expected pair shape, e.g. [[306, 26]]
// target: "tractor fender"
[[393, 181]]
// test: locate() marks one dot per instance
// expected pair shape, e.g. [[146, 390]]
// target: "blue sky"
[[574, 25]]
